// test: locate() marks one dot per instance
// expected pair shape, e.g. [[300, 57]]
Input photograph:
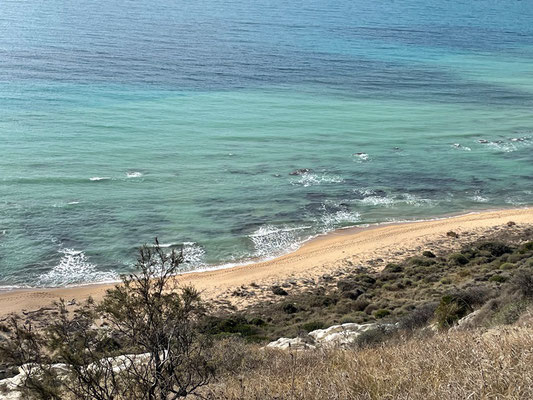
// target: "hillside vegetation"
[[151, 340]]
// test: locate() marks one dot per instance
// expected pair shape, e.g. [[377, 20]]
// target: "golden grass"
[[494, 364]]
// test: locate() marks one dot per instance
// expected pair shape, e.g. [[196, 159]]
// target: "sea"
[[235, 130]]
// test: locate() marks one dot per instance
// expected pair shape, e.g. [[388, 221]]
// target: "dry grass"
[[493, 364]]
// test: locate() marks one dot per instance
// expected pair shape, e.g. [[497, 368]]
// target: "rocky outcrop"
[[467, 322], [290, 344], [336, 335], [10, 387]]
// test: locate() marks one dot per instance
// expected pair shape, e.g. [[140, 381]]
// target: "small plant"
[[382, 313], [279, 291], [392, 267], [498, 278], [522, 283], [458, 259], [312, 326], [496, 249], [451, 309]]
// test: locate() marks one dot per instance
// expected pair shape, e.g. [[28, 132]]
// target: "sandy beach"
[[375, 246]]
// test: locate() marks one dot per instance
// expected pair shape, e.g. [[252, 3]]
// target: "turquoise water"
[[121, 121]]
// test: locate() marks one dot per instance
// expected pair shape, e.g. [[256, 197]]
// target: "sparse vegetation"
[[150, 339], [141, 342]]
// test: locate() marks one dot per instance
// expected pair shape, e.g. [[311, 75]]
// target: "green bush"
[[289, 308], [382, 313], [392, 267], [451, 309], [496, 249], [507, 266], [526, 247], [312, 326], [458, 259], [421, 261], [498, 278]]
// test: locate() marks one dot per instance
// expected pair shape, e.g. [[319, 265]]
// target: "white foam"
[[310, 179], [378, 201], [99, 178], [332, 220], [390, 201], [361, 157], [70, 203], [74, 268], [504, 147], [478, 198], [134, 174], [270, 241], [193, 254], [461, 147]]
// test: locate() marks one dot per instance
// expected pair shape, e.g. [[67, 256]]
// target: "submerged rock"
[[300, 171]]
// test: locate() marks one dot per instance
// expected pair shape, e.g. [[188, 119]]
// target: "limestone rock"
[[290, 344]]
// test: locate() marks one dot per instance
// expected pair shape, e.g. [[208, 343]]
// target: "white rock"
[[345, 334], [290, 343], [466, 322], [336, 335]]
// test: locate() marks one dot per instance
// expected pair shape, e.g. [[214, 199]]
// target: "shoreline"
[[315, 256]]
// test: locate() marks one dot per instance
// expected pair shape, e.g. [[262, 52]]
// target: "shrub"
[[279, 291], [346, 285], [429, 254], [458, 259], [498, 278], [360, 304], [147, 317], [450, 309], [289, 308], [257, 321], [392, 267], [421, 261], [526, 247], [366, 279], [312, 326], [496, 249], [419, 317], [507, 266], [522, 283], [374, 337], [382, 313], [352, 295]]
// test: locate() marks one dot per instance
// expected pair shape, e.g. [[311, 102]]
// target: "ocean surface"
[[125, 120]]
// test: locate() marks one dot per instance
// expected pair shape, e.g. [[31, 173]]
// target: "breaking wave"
[[74, 268], [370, 197], [270, 241]]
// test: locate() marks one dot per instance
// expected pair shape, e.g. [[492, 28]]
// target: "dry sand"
[[375, 245]]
